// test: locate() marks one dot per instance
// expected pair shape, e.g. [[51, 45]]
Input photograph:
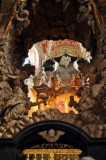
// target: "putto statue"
[[87, 14], [51, 135]]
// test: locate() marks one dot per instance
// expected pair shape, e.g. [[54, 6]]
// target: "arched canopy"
[[50, 49], [73, 135]]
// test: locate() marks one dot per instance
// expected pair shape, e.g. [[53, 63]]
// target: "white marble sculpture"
[[29, 82], [65, 60]]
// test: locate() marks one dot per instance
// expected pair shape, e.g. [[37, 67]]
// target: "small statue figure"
[[34, 5], [29, 82], [64, 61], [87, 13], [42, 77], [58, 81], [73, 104], [51, 135], [21, 16]]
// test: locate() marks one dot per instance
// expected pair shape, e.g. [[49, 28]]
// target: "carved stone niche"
[[51, 135]]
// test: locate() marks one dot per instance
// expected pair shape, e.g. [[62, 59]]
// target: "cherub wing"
[[60, 132], [43, 134]]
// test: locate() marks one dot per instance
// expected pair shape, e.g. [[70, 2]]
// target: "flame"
[[60, 102], [32, 94], [57, 98]]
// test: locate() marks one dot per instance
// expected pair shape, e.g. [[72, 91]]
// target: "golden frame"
[[51, 152]]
